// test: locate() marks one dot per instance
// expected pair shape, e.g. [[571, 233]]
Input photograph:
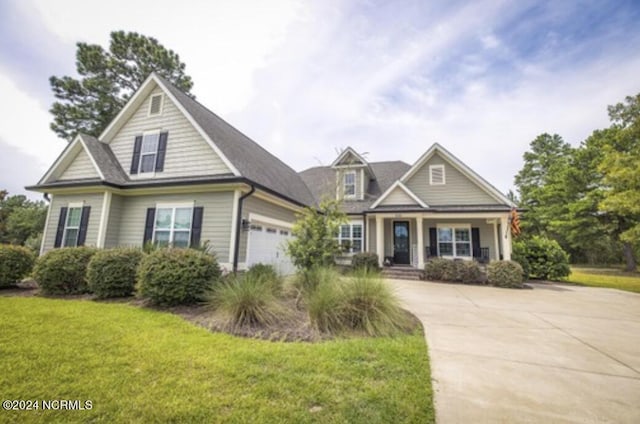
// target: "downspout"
[[236, 248], [46, 197]]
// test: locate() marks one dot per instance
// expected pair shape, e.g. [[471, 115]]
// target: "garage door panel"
[[267, 245]]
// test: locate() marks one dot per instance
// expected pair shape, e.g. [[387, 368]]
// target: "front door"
[[401, 242]]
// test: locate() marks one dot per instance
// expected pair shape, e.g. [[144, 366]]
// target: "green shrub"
[[542, 258], [246, 300], [112, 273], [268, 274], [176, 276], [364, 260], [63, 271], [505, 274], [519, 254], [371, 306], [434, 269], [469, 272], [307, 280], [16, 263], [325, 305]]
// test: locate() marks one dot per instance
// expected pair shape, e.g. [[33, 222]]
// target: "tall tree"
[[541, 187], [20, 218], [108, 79], [621, 169]]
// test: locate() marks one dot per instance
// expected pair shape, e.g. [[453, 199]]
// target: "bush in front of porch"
[[440, 269]]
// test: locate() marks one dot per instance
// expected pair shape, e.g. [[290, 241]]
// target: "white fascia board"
[[399, 184]]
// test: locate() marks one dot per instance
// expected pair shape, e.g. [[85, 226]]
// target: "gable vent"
[[155, 107], [436, 174]]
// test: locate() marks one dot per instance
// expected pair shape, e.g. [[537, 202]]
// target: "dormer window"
[[155, 105], [436, 175], [350, 184]]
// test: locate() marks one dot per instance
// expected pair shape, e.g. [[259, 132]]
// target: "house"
[[169, 171]]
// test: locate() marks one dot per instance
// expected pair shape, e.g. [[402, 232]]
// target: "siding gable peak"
[[398, 194], [74, 162], [144, 93], [437, 150]]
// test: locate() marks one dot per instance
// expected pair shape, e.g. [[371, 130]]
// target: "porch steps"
[[402, 273]]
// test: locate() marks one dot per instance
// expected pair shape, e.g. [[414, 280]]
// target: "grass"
[[139, 365], [605, 277]]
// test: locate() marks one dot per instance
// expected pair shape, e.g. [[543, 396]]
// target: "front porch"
[[410, 239]]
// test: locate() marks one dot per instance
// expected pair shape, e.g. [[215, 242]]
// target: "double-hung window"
[[350, 184], [72, 227], [454, 241], [350, 237], [173, 226], [149, 152]]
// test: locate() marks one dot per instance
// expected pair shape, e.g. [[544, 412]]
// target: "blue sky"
[[306, 79]]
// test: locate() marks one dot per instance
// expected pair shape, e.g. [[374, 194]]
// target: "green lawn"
[[605, 277], [138, 365]]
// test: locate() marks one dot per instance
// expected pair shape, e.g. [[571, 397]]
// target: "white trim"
[[434, 167], [344, 185], [361, 184], [104, 218], [171, 229], [149, 114], [46, 225], [63, 160], [380, 240], [453, 227], [135, 101], [456, 163], [270, 221], [169, 205], [404, 188], [93, 161], [76, 204], [149, 174], [344, 153], [234, 226]]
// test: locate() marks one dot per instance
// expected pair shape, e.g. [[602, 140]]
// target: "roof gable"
[[398, 194], [436, 150], [349, 157], [75, 161]]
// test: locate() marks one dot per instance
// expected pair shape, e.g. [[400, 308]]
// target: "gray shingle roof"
[[321, 180], [105, 159], [251, 160]]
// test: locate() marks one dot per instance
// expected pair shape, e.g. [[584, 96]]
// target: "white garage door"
[[266, 245]]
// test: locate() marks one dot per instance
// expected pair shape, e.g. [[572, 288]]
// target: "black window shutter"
[[137, 148], [196, 226], [162, 150], [148, 225], [84, 223], [60, 232], [433, 242], [475, 241]]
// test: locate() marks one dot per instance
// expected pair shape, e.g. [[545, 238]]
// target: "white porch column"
[[420, 231], [380, 240], [506, 238], [496, 239]]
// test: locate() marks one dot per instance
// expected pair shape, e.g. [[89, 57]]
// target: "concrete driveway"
[[554, 354]]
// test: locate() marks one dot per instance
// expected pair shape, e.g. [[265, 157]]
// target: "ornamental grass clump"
[[247, 300]]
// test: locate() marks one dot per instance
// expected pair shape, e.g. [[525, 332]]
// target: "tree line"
[[587, 198]]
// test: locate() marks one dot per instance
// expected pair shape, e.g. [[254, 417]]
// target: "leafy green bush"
[[469, 272], [268, 274], [176, 276], [370, 306], [542, 258], [505, 274], [112, 273], [434, 269], [307, 280], [439, 269], [63, 271], [365, 260], [246, 300], [16, 263]]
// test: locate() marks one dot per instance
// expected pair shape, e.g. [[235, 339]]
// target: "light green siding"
[[398, 197], [81, 167], [457, 190], [261, 207], [187, 154], [58, 201], [113, 223], [216, 220]]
